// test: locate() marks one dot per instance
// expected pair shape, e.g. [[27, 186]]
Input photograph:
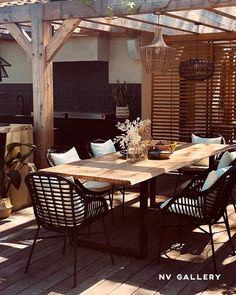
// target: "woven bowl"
[[155, 154], [162, 145]]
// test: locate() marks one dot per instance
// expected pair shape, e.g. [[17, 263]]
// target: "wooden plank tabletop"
[[113, 169]]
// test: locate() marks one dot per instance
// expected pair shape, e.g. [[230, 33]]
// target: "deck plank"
[[51, 273]]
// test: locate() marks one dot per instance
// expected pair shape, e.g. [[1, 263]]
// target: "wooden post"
[[42, 84]]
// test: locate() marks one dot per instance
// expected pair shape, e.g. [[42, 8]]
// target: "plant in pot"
[[120, 95], [11, 164]]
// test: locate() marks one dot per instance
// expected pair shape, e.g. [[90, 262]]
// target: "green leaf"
[[15, 178]]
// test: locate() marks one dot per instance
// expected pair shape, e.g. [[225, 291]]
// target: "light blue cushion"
[[67, 157], [100, 149], [226, 159], [213, 176], [205, 140]]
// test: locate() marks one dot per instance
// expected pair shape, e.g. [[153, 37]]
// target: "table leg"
[[152, 191], [143, 229], [142, 252]]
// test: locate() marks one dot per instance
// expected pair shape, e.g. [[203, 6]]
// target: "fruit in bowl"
[[162, 145]]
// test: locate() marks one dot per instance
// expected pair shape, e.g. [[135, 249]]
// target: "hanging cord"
[[197, 24], [162, 9], [171, 102]]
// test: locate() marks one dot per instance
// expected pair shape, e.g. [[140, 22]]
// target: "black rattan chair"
[[198, 208], [54, 149], [60, 206], [88, 187], [91, 155], [194, 169]]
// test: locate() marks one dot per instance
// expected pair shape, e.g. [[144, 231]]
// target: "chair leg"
[[123, 201], [233, 201], [213, 249], [107, 239], [75, 254], [181, 231], [225, 216], [111, 206], [32, 248], [177, 183], [161, 237]]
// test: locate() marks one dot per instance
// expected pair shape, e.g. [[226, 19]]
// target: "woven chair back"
[[58, 204], [217, 199]]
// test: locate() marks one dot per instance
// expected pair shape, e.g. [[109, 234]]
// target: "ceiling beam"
[[202, 37], [143, 6], [60, 10], [101, 26], [60, 37], [205, 18], [171, 22], [132, 24], [228, 12], [22, 38]]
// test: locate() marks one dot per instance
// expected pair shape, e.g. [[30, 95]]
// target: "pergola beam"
[[184, 25], [228, 12], [61, 10], [205, 18], [143, 6], [42, 85], [21, 37], [133, 24], [60, 37], [202, 37]]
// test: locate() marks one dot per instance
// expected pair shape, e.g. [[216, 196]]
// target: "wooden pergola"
[[30, 23]]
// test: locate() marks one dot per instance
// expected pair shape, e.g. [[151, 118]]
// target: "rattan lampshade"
[[197, 69], [157, 57]]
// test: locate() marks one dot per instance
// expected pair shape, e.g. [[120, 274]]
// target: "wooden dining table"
[[112, 168]]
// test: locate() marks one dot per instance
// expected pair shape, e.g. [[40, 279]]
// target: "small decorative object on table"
[[160, 150], [132, 139]]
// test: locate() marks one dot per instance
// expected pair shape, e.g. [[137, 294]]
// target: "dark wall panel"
[[78, 87]]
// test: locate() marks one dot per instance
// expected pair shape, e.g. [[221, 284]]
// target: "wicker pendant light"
[[196, 69], [157, 57]]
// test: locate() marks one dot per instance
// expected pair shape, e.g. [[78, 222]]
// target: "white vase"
[[122, 112]]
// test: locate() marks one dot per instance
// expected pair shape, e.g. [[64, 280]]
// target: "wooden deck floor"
[[184, 271]]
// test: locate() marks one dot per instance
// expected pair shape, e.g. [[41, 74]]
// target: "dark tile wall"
[[78, 87], [9, 104]]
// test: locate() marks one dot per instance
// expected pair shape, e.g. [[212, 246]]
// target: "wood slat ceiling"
[[178, 17]]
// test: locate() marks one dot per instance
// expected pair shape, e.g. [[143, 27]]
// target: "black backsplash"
[[78, 87]]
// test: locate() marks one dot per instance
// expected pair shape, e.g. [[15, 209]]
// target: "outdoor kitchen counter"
[[74, 130]]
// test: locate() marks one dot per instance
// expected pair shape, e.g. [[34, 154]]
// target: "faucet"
[[20, 97]]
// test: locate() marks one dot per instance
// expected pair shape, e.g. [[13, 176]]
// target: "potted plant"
[[10, 167], [120, 95]]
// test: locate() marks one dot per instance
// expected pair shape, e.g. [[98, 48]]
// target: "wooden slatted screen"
[[181, 107]]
